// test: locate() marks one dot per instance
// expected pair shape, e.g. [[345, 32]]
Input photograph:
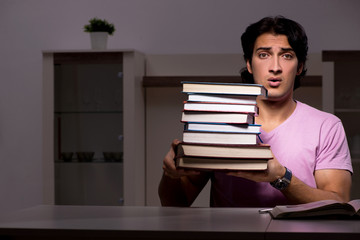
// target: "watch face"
[[280, 184]]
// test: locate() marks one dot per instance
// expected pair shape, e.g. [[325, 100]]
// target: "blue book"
[[222, 127]]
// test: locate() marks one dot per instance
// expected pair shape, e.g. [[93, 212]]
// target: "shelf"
[[340, 55], [88, 112], [87, 57], [175, 81], [347, 110], [91, 162]]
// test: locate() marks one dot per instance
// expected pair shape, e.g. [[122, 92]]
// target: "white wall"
[[151, 26]]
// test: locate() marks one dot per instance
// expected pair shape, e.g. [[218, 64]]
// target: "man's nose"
[[275, 66]]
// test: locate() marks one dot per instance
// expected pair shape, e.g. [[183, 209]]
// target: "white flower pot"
[[98, 40]]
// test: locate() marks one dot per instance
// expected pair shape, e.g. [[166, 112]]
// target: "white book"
[[220, 107], [224, 151], [220, 164], [211, 117], [224, 88], [220, 98], [219, 137]]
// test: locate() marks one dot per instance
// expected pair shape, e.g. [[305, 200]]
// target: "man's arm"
[[182, 191], [179, 187], [331, 183]]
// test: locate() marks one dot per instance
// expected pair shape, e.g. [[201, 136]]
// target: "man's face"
[[274, 65]]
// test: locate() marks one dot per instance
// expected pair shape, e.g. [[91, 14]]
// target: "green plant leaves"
[[99, 25]]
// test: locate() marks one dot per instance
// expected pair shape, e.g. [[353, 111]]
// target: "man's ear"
[[248, 66], [300, 68]]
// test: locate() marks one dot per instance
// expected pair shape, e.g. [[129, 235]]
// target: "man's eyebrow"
[[269, 48], [287, 49], [263, 49]]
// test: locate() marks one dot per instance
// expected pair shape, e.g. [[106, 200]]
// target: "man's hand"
[[169, 167], [274, 171]]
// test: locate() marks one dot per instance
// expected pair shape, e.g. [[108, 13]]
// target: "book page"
[[356, 204]]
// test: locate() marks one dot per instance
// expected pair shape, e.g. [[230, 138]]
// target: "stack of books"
[[219, 130]]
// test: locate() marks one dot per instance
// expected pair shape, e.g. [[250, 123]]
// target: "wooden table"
[[313, 229], [105, 222]]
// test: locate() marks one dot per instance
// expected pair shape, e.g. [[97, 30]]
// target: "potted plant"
[[99, 30]]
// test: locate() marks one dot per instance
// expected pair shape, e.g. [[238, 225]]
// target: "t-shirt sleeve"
[[333, 152]]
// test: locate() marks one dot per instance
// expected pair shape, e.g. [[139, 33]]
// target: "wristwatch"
[[283, 182]]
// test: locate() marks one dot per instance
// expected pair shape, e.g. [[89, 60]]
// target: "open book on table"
[[318, 209]]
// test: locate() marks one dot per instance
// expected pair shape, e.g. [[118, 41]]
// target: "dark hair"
[[279, 25]]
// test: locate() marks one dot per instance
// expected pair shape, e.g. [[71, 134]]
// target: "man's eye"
[[263, 55], [288, 56]]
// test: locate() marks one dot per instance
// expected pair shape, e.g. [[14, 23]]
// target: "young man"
[[311, 156]]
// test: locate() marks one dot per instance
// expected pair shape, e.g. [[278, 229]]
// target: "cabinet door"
[[342, 89], [88, 129], [347, 101], [93, 101]]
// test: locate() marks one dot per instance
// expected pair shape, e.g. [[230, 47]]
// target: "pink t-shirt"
[[308, 140]]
